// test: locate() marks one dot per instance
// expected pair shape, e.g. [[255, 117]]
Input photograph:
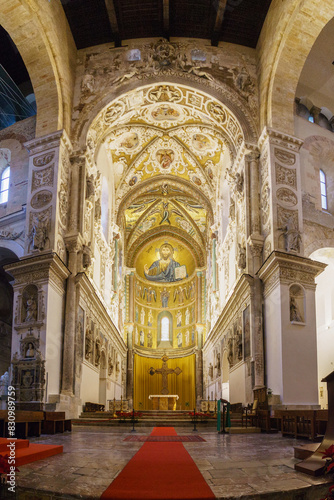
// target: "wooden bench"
[[302, 423], [55, 421], [27, 423]]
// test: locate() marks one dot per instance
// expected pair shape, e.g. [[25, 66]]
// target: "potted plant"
[[328, 455]]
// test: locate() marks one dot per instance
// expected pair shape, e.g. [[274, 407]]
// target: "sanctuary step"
[[161, 418]]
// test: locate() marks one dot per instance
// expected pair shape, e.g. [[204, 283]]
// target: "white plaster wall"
[[325, 320], [273, 342], [89, 391], [299, 353], [237, 384], [53, 339]]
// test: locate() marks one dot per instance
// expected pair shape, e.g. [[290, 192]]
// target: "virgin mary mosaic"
[[166, 268]]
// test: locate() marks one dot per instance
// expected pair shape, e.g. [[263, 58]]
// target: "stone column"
[[253, 166], [129, 374], [67, 384], [199, 366], [255, 239], [257, 333], [74, 243]]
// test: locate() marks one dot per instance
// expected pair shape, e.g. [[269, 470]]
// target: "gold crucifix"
[[164, 371]]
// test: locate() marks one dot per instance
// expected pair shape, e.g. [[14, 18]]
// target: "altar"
[[163, 401]]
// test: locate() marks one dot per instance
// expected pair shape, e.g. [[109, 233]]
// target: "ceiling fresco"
[[175, 142]]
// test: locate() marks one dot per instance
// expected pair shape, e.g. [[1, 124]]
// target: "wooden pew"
[[55, 421], [27, 423]]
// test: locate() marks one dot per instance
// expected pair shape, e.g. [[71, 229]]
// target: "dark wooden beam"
[[166, 18], [110, 6], [221, 7]]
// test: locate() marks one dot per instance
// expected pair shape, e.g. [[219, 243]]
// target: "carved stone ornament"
[[88, 344], [63, 204], [286, 176], [288, 224], [42, 160], [8, 235], [41, 199], [165, 93], [97, 359], [39, 230], [285, 156], [42, 178], [287, 196]]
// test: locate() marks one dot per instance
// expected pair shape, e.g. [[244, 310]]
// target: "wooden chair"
[[250, 415]]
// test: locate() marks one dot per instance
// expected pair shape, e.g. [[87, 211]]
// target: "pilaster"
[[280, 189], [48, 197]]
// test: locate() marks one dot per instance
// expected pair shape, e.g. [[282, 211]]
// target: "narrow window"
[[323, 190], [165, 329], [4, 185]]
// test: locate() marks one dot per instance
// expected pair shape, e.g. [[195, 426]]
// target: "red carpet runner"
[[160, 471]]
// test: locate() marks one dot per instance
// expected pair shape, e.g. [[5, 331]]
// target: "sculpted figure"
[[97, 351], [88, 344], [31, 309]]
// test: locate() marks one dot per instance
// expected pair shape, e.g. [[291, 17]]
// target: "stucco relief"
[[287, 196], [39, 229], [285, 156], [286, 176], [42, 178], [43, 160], [41, 199]]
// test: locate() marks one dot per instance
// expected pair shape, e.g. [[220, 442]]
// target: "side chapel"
[[164, 231]]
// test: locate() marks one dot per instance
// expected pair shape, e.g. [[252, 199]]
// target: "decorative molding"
[[285, 268]]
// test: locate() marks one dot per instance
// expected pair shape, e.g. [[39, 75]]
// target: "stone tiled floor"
[[258, 466]]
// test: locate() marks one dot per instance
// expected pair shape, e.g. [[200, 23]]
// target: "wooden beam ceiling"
[[110, 6], [221, 7]]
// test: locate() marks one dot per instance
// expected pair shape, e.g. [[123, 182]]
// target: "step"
[[306, 450], [244, 430], [19, 444]]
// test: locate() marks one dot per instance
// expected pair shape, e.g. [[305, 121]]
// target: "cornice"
[[281, 139], [171, 353], [285, 268], [48, 261], [48, 142]]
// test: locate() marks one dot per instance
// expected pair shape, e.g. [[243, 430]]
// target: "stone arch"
[[221, 92], [287, 37], [28, 24]]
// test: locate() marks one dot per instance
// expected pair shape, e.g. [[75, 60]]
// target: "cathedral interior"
[[166, 196]]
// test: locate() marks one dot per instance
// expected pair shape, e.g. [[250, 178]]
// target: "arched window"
[[165, 329], [323, 190], [4, 185]]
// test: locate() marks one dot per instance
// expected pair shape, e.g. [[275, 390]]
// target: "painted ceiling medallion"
[[165, 112], [165, 157], [129, 141], [201, 142]]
